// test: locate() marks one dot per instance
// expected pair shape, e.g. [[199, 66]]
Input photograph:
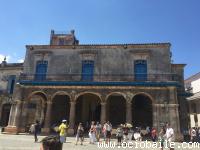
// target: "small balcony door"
[[140, 69], [41, 70], [87, 70]]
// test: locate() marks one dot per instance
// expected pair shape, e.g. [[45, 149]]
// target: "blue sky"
[[24, 22]]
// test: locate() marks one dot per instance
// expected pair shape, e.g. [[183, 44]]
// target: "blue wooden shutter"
[[87, 70], [41, 70], [11, 84], [140, 68]]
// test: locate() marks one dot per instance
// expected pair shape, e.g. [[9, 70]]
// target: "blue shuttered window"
[[41, 70], [11, 84], [87, 70], [140, 68]]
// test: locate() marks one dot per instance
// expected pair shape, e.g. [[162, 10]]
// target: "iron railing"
[[100, 77]]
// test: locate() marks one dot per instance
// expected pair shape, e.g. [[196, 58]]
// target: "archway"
[[142, 111], [60, 109], [5, 114], [116, 109], [88, 108], [36, 109]]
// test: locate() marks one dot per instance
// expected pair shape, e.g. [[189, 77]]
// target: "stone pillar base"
[[70, 132], [11, 130]]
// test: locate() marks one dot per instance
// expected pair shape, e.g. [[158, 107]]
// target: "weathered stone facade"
[[112, 84], [7, 70], [192, 85]]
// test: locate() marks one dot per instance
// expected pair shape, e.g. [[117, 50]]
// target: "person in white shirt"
[[169, 135], [108, 131]]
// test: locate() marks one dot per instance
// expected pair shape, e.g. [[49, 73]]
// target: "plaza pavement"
[[26, 142]]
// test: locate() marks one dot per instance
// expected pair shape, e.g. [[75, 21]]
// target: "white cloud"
[[20, 60], [3, 56]]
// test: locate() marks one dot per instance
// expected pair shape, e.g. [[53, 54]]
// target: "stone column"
[[47, 122], [24, 114], [103, 112], [10, 122], [174, 120], [17, 115], [155, 116], [128, 112], [1, 107], [72, 114], [14, 118], [172, 95]]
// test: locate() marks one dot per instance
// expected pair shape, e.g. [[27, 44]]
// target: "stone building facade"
[[9, 74], [192, 85], [134, 83]]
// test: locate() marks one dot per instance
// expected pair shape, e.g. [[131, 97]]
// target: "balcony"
[[99, 79]]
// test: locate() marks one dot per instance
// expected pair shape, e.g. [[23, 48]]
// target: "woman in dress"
[[92, 133]]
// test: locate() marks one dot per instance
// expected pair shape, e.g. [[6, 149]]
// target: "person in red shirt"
[[153, 134]]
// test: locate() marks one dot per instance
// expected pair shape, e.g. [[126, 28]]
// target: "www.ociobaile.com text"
[[149, 145]]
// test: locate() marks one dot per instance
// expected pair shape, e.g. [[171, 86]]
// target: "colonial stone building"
[[134, 83], [192, 85], [9, 74]]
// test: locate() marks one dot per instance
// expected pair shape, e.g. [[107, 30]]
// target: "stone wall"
[[107, 59]]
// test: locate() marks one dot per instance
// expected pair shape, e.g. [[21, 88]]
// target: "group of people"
[[124, 132], [96, 130]]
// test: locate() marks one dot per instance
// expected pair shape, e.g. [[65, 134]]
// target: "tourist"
[[108, 128], [51, 143], [153, 134], [119, 134], [148, 132], [98, 131], [169, 135], [36, 129], [79, 133], [63, 131], [92, 133], [104, 131], [162, 137], [137, 134], [125, 132], [130, 134], [193, 135]]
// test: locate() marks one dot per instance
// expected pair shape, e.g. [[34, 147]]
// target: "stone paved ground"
[[25, 142]]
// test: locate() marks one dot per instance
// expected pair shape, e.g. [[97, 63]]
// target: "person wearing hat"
[[63, 131]]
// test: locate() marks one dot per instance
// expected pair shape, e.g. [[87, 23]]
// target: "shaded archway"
[[88, 108], [5, 114], [116, 109], [60, 109], [36, 108], [142, 111]]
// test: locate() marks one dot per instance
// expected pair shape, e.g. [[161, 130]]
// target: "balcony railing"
[[100, 77]]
